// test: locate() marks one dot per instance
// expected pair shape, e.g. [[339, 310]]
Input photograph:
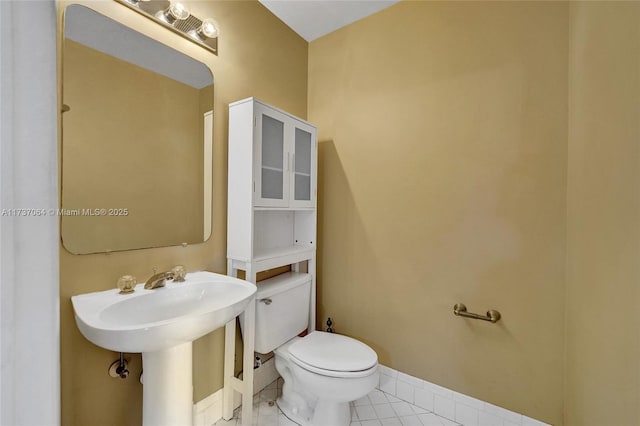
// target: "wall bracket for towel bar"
[[492, 315]]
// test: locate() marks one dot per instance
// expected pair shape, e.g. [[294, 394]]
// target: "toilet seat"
[[333, 355], [331, 373]]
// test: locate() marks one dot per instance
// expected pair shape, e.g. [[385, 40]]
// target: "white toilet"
[[322, 372]]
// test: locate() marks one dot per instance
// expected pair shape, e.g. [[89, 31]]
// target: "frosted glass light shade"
[[179, 11], [208, 29]]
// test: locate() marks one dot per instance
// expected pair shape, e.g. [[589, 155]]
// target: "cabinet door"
[[271, 185], [304, 165]]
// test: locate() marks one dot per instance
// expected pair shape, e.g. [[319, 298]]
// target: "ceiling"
[[312, 19]]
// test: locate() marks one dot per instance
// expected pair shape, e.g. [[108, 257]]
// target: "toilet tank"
[[282, 309]]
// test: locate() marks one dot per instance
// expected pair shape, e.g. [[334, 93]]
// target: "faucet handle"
[[179, 273], [126, 284]]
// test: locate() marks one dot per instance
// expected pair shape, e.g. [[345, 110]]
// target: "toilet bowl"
[[322, 373]]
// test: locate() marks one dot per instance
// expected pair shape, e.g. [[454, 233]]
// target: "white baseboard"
[[448, 403], [209, 410]]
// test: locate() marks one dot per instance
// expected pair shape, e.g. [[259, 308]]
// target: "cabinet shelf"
[[275, 257], [275, 169], [288, 209], [283, 252]]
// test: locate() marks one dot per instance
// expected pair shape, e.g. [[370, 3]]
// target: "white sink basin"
[[152, 320], [162, 324]]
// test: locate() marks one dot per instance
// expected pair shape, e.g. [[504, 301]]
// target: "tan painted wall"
[[603, 268], [443, 176], [106, 166], [259, 56], [442, 130]]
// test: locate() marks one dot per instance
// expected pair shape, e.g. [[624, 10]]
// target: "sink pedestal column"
[[167, 392]]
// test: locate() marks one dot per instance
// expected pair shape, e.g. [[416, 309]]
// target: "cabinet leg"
[[250, 275], [247, 363], [231, 271], [312, 309], [229, 356]]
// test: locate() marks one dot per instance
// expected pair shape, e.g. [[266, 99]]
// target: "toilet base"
[[302, 418], [329, 413], [325, 414]]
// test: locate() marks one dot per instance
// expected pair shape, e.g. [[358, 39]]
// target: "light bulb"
[[207, 29], [175, 11], [179, 10]]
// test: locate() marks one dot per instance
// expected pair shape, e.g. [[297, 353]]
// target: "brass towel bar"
[[492, 315]]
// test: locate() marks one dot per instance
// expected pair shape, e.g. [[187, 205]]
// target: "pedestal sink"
[[162, 324]]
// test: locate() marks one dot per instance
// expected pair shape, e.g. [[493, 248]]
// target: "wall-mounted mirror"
[[137, 134]]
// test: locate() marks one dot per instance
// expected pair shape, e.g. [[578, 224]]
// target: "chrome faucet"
[[159, 280]]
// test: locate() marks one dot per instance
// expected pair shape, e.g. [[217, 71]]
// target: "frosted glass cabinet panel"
[[304, 161], [272, 158], [272, 169]]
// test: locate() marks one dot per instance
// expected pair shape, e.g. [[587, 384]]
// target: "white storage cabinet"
[[271, 217]]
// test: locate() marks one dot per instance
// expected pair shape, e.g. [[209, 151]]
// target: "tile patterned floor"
[[376, 409]]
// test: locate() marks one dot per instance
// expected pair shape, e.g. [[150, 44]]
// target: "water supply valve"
[[118, 368]]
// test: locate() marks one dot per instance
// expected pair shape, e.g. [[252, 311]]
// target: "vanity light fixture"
[[176, 16]]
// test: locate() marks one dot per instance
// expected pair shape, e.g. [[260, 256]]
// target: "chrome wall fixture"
[[176, 16], [492, 315]]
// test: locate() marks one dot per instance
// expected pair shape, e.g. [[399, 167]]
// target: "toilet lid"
[[333, 352]]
